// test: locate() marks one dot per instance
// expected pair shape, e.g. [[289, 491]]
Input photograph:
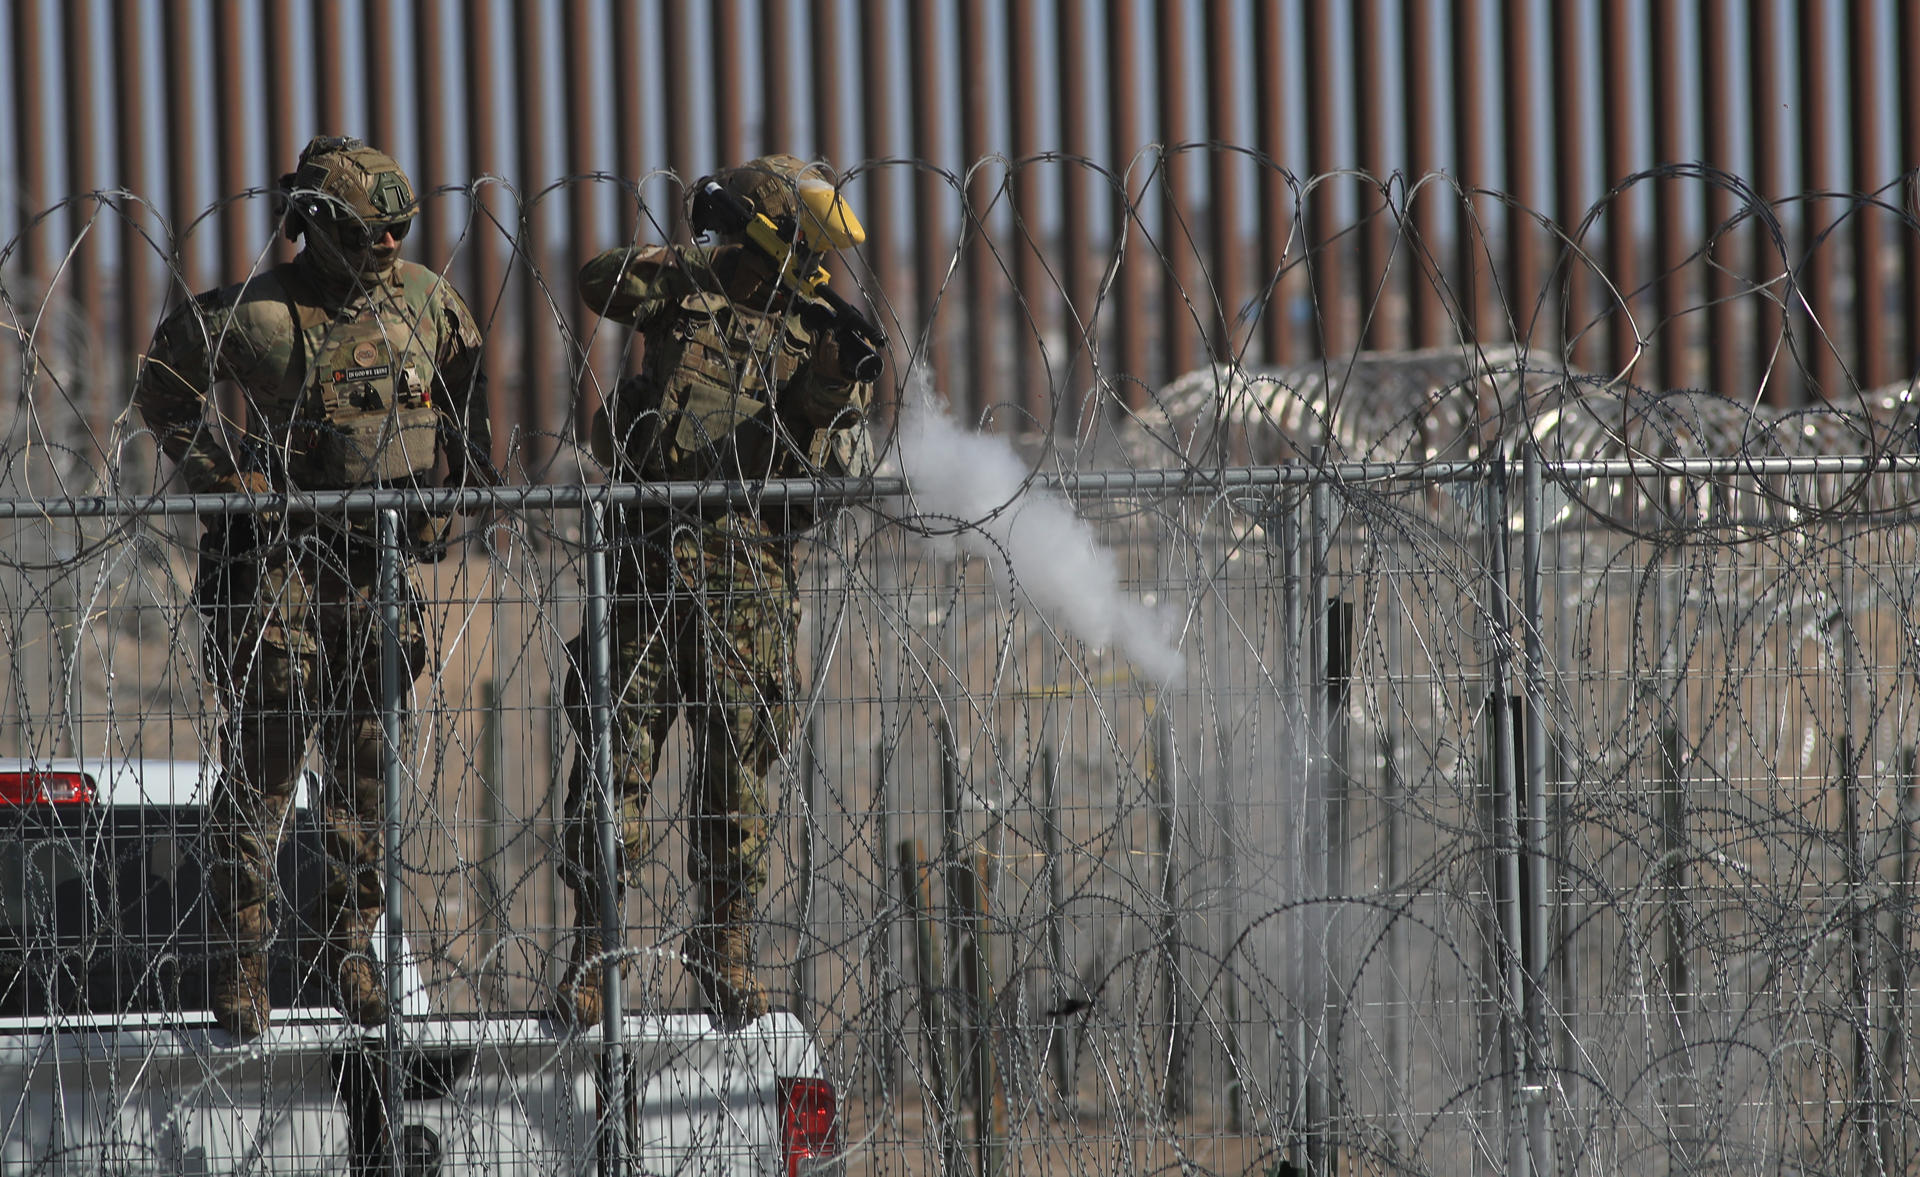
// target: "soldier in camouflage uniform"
[[752, 370], [358, 370]]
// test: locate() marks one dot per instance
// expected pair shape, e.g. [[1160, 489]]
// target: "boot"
[[355, 980], [579, 1001], [237, 993], [719, 954], [580, 998]]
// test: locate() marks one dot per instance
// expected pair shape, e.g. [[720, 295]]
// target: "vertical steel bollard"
[[599, 670], [391, 731]]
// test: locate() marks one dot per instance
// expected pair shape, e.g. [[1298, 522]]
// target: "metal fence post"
[[1176, 1099], [1675, 871], [930, 973], [1062, 1029], [1509, 919], [1295, 722], [890, 1040], [1534, 743], [599, 671], [970, 889], [392, 702], [1869, 1112], [1315, 815], [1393, 796], [1896, 1147], [493, 919], [66, 671], [805, 943]]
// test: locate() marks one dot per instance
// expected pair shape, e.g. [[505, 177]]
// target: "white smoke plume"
[[1057, 564]]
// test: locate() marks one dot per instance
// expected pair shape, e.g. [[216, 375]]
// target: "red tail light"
[[45, 788], [809, 1122]]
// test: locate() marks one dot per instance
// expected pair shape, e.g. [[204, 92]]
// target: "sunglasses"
[[359, 235]]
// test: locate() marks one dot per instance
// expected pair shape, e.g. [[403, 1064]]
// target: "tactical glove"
[[242, 482], [239, 531], [429, 536], [849, 344]]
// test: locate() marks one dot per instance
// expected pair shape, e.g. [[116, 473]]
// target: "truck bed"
[[166, 1094]]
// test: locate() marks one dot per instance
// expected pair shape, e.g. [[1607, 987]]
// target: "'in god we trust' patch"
[[369, 363]]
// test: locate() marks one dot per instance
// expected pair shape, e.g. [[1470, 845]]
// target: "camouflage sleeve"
[[172, 393], [463, 396], [631, 285]]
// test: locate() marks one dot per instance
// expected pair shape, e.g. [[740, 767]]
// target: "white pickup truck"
[[110, 1064]]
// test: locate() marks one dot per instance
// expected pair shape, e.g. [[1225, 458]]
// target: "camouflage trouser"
[[293, 646], [706, 630]]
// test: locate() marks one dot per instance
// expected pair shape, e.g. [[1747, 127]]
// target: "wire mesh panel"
[[1039, 911]]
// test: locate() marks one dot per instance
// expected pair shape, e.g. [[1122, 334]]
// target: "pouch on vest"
[[709, 415], [846, 452], [730, 362], [369, 418]]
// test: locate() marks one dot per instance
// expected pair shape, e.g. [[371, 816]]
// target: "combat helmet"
[[355, 193], [801, 198]]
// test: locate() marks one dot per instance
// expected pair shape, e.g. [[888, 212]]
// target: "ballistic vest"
[[366, 415], [714, 376]]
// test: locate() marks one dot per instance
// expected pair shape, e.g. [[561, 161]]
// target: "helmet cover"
[[342, 181]]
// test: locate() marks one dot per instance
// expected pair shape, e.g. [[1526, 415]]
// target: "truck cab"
[[111, 1062]]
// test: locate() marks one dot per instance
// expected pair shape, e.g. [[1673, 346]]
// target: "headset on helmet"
[[800, 199], [355, 192]]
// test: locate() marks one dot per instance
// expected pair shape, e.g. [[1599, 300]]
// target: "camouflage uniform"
[[740, 382], [357, 369]]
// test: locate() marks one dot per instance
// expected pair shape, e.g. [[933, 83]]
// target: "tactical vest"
[[717, 375], [366, 415]]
